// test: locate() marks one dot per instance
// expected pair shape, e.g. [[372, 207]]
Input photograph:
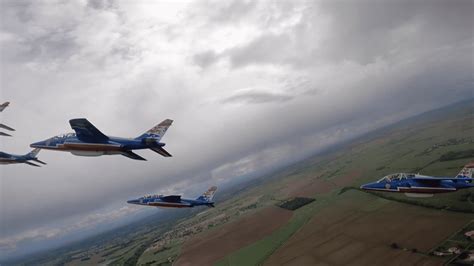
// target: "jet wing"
[[172, 198], [6, 127], [438, 179], [5, 134], [85, 131], [161, 151], [132, 155]]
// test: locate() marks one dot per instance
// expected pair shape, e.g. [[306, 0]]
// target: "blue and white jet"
[[175, 201], [89, 141], [422, 186], [6, 158], [2, 107]]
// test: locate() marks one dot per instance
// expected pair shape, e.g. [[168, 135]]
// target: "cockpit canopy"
[[152, 196], [65, 135], [397, 176]]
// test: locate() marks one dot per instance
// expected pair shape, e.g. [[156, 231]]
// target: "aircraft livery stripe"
[[415, 189], [168, 204]]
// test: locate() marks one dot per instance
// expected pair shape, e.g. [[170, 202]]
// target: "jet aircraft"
[[175, 201], [416, 185], [89, 141], [6, 158], [3, 106]]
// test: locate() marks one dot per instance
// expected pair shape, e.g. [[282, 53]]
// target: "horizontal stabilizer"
[[37, 160], [133, 155], [6, 127], [161, 151], [5, 134], [4, 105], [172, 198], [32, 164]]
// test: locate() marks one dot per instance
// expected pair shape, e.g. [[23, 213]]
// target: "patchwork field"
[[207, 248], [360, 229]]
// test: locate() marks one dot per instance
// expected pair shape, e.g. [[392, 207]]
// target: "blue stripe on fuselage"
[[113, 143]]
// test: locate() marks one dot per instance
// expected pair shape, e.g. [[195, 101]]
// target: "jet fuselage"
[[29, 158], [159, 201], [419, 185], [89, 141], [114, 145], [6, 158]]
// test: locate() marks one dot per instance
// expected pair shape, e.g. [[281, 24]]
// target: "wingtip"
[[166, 122], [77, 119]]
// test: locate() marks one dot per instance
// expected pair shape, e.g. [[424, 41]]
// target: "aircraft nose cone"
[[132, 201], [38, 144]]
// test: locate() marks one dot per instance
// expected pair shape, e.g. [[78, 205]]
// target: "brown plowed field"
[[209, 247], [359, 231], [308, 187]]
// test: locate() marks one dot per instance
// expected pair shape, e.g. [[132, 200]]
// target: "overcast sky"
[[251, 85]]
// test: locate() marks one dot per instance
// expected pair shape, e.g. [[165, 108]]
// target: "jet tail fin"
[[33, 153], [208, 195], [467, 171], [158, 131]]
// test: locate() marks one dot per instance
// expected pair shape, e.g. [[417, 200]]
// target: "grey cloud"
[[102, 4], [266, 49], [205, 59], [256, 97], [224, 12], [36, 39], [364, 31], [39, 35], [361, 31]]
